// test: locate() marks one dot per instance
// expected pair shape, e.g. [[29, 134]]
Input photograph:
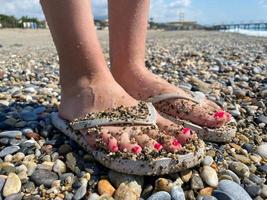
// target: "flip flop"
[[224, 133], [140, 164]]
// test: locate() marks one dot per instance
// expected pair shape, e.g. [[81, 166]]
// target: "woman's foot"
[[102, 95], [142, 84]]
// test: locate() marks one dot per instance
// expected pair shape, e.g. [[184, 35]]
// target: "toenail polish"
[[219, 114], [136, 149], [186, 130], [114, 148], [158, 146], [176, 143]]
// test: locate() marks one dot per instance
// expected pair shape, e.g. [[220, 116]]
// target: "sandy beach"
[[39, 162]]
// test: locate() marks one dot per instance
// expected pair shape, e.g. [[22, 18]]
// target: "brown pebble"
[[105, 187], [33, 135], [206, 191], [47, 148]]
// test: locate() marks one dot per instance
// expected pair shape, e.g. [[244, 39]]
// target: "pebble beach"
[[38, 162]]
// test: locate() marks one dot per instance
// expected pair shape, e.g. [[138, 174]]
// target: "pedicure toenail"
[[186, 130], [176, 143], [136, 149], [114, 148], [219, 114], [158, 146]]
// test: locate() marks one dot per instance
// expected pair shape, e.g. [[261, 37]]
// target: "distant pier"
[[260, 26]]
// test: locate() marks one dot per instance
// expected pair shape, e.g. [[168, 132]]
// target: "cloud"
[[160, 10], [167, 10]]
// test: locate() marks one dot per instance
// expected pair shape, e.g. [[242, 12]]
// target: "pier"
[[261, 26]]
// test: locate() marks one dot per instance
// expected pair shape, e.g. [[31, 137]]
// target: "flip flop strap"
[[90, 123], [162, 97]]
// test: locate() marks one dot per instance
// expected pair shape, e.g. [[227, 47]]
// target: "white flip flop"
[[152, 166], [224, 133]]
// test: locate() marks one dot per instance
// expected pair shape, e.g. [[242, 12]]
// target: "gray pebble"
[[28, 116], [10, 134], [208, 160], [160, 196], [43, 177], [9, 150], [253, 190], [2, 182], [17, 196], [233, 189], [93, 196], [177, 193], [221, 195]]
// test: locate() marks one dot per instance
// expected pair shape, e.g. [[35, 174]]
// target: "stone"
[[233, 190], [105, 197], [160, 196], [28, 187], [263, 168], [43, 177], [59, 167], [262, 150], [207, 191], [221, 195], [186, 175], [71, 162], [9, 150], [163, 184], [46, 165], [208, 160], [105, 187], [11, 134], [147, 191], [253, 190], [17, 196], [177, 193], [256, 179], [28, 116], [117, 178], [209, 175], [81, 191], [128, 191], [2, 182], [262, 119], [234, 177], [12, 185], [263, 191], [18, 157], [240, 169], [23, 176], [31, 166], [33, 135], [196, 182], [93, 196]]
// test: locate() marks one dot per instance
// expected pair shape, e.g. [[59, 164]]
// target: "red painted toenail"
[[219, 114], [228, 115], [158, 146], [114, 148], [136, 149], [186, 130], [176, 143]]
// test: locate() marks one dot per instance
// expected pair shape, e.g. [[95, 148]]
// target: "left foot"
[[143, 84]]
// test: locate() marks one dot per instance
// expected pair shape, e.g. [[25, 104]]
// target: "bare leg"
[[87, 84], [128, 29]]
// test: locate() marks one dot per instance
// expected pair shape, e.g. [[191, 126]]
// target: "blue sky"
[[203, 11]]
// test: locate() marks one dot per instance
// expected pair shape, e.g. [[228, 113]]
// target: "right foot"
[[101, 96]]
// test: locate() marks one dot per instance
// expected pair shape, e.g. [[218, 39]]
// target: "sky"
[[207, 12]]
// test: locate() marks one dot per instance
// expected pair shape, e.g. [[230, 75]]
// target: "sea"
[[258, 33]]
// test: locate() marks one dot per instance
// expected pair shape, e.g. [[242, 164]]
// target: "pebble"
[[209, 175], [196, 182], [208, 160], [253, 190], [93, 196], [81, 191], [160, 196], [43, 177], [240, 169], [10, 134], [117, 178], [234, 177], [221, 195], [12, 185], [29, 116], [233, 189], [264, 191], [206, 191], [186, 175], [128, 191], [177, 193], [163, 184], [262, 150], [59, 167], [2, 182], [9, 150], [17, 196], [262, 119], [105, 187]]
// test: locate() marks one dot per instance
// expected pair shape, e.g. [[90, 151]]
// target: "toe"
[[125, 144], [147, 142], [170, 143]]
